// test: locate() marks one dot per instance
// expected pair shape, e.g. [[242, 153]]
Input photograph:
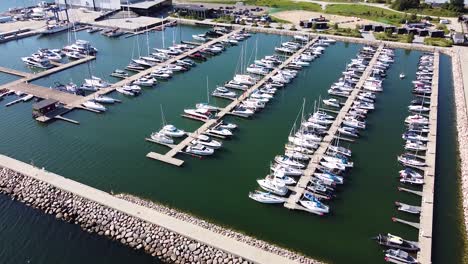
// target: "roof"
[[458, 35], [192, 7], [44, 103], [145, 4]]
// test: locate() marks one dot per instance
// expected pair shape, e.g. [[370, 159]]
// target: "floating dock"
[[427, 204], [292, 201], [15, 72], [24, 85], [169, 156]]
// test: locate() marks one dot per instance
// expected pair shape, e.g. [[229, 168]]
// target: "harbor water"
[[107, 151], [7, 4]]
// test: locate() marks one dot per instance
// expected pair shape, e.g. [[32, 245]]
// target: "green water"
[[108, 151]]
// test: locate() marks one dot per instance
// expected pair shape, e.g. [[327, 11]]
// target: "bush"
[[410, 38]]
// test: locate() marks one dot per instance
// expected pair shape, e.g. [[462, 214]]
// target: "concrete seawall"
[[162, 232]]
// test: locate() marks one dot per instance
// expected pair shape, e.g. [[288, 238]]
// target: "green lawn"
[[440, 42], [366, 12], [393, 37], [434, 12], [279, 20], [282, 5], [346, 32]]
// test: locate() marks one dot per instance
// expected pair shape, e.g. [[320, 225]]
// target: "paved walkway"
[[207, 237], [462, 52]]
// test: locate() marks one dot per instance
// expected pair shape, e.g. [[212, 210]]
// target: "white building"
[[92, 4], [115, 4]]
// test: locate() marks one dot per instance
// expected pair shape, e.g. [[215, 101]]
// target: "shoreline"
[[130, 230]]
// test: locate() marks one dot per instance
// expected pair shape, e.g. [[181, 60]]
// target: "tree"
[[410, 37], [335, 26], [388, 33], [457, 5], [405, 4]]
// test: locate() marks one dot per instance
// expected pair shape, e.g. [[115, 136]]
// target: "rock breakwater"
[[157, 241]]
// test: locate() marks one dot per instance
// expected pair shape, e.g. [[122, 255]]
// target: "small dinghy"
[[408, 208]]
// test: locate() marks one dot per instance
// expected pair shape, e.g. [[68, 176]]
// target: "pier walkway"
[[169, 156], [24, 85], [189, 230], [300, 188], [15, 72], [427, 205]]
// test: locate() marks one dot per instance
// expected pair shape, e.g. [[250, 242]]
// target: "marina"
[[245, 155], [298, 191], [169, 156]]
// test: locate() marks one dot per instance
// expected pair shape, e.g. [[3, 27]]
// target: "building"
[[145, 7], [458, 38], [91, 4], [198, 11], [44, 107]]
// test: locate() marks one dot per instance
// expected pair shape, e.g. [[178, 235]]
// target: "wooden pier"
[[169, 156], [292, 202], [24, 85], [427, 204]]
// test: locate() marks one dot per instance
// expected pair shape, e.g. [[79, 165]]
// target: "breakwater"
[[133, 231], [462, 129]]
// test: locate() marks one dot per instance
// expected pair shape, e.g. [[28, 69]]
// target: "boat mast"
[[173, 37], [163, 32], [207, 91], [147, 40], [162, 116], [138, 46]]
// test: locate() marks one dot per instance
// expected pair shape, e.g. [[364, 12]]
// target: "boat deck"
[[292, 202], [169, 156]]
